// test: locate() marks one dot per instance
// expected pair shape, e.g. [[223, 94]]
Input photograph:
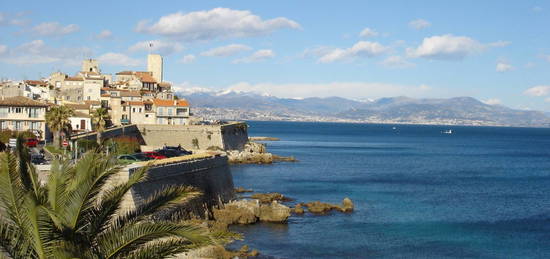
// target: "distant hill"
[[454, 111]]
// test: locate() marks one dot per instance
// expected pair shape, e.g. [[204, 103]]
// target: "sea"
[[480, 192]]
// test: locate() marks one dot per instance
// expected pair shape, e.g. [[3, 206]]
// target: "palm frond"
[[121, 242], [12, 191], [111, 201]]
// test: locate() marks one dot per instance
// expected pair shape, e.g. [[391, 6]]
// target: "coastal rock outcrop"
[[270, 197], [242, 190], [255, 153], [238, 212], [250, 211], [318, 207], [298, 209], [274, 212]]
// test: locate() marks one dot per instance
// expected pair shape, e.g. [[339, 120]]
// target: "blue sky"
[[496, 51]]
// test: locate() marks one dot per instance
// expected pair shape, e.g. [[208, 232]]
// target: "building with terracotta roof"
[[171, 112], [23, 114]]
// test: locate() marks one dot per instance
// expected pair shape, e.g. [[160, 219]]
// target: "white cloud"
[[37, 52], [157, 46], [446, 47], [360, 49], [537, 9], [419, 24], [187, 59], [352, 90], [104, 35], [18, 19], [259, 55], [118, 59], [493, 101], [218, 23], [540, 90], [225, 51], [500, 43], [545, 57], [503, 66], [3, 49], [368, 32], [54, 29], [397, 62]]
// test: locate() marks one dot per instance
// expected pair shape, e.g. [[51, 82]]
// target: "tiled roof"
[[74, 79], [161, 102], [146, 77], [21, 101], [126, 73], [130, 94], [36, 82], [165, 84]]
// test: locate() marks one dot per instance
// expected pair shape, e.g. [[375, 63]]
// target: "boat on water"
[[449, 131]]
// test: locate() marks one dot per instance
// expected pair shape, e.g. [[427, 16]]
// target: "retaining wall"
[[231, 136], [211, 175]]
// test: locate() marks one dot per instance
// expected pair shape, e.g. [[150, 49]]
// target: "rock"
[[274, 212], [240, 212], [263, 139], [252, 153], [277, 158], [212, 251], [254, 253], [244, 249], [320, 207], [298, 209], [242, 189], [347, 205], [270, 197]]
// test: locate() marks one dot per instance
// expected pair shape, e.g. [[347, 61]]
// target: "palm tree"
[[77, 213], [57, 119], [99, 119]]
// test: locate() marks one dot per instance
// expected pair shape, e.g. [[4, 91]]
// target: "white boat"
[[448, 131]]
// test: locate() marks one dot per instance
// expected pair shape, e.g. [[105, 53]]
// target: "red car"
[[154, 155], [32, 142]]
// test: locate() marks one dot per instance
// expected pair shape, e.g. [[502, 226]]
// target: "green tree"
[[77, 213], [100, 116], [58, 121]]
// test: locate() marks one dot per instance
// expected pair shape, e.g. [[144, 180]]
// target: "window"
[[170, 110], [160, 110], [89, 98], [18, 110], [3, 112], [133, 109], [140, 109], [18, 125], [33, 113], [123, 108]]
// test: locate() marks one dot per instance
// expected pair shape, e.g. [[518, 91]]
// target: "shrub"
[[5, 135], [86, 144], [26, 134], [124, 145], [195, 143]]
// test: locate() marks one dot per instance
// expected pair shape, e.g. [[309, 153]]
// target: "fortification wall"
[[227, 137], [211, 175]]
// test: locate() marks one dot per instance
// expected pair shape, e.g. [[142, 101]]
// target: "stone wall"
[[227, 137], [211, 175]]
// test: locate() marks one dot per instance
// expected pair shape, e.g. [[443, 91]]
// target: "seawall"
[[208, 173]]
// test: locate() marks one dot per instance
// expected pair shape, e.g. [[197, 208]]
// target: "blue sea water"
[[481, 192]]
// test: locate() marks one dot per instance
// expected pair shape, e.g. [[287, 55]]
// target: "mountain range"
[[230, 105]]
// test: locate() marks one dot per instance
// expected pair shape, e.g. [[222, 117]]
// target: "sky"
[[495, 51]]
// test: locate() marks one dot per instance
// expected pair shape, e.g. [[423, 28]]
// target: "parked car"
[[154, 155], [137, 157], [32, 142], [38, 159], [181, 150], [172, 152]]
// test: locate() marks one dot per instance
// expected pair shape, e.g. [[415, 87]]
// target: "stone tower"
[[154, 65], [90, 65]]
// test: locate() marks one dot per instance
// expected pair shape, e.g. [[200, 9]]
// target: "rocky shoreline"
[[254, 208], [255, 153]]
